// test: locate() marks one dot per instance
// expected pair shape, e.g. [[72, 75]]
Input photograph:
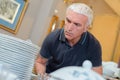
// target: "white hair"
[[83, 9]]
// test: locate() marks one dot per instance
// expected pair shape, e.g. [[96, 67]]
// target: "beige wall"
[[116, 55], [114, 4], [105, 29]]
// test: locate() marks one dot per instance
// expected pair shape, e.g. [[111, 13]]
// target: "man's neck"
[[74, 41]]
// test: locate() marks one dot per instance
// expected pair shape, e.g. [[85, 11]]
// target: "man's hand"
[[40, 65], [99, 70]]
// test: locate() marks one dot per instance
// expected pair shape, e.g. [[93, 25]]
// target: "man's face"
[[75, 25]]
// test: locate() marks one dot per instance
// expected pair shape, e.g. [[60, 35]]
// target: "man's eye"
[[68, 20], [77, 24]]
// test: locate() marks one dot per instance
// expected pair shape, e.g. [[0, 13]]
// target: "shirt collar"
[[83, 38], [62, 36], [81, 41]]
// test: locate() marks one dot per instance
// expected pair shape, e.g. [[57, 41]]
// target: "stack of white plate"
[[19, 54]]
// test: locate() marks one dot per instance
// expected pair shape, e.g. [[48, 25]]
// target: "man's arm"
[[99, 70], [40, 65]]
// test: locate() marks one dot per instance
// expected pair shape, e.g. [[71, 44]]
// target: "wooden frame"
[[62, 23], [11, 14], [53, 23], [116, 50]]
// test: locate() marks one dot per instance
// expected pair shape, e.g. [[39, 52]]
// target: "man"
[[72, 45]]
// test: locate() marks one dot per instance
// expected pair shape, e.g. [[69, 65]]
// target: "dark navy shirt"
[[60, 54]]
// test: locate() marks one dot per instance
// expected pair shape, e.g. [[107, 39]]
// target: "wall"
[[114, 4], [105, 29], [116, 55], [41, 23]]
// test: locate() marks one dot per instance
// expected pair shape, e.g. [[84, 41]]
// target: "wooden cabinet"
[[105, 28], [116, 56]]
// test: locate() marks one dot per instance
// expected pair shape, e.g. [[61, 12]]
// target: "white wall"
[[42, 21]]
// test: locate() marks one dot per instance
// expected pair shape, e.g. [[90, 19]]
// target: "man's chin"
[[68, 38]]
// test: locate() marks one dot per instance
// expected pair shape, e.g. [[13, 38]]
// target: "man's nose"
[[71, 25]]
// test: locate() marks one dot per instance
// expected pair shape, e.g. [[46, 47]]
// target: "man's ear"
[[86, 28]]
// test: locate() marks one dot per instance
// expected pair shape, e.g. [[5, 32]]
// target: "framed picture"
[[11, 14]]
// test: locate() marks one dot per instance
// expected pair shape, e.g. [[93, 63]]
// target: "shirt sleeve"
[[95, 55], [46, 47]]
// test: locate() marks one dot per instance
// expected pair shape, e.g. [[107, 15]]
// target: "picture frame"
[[11, 14]]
